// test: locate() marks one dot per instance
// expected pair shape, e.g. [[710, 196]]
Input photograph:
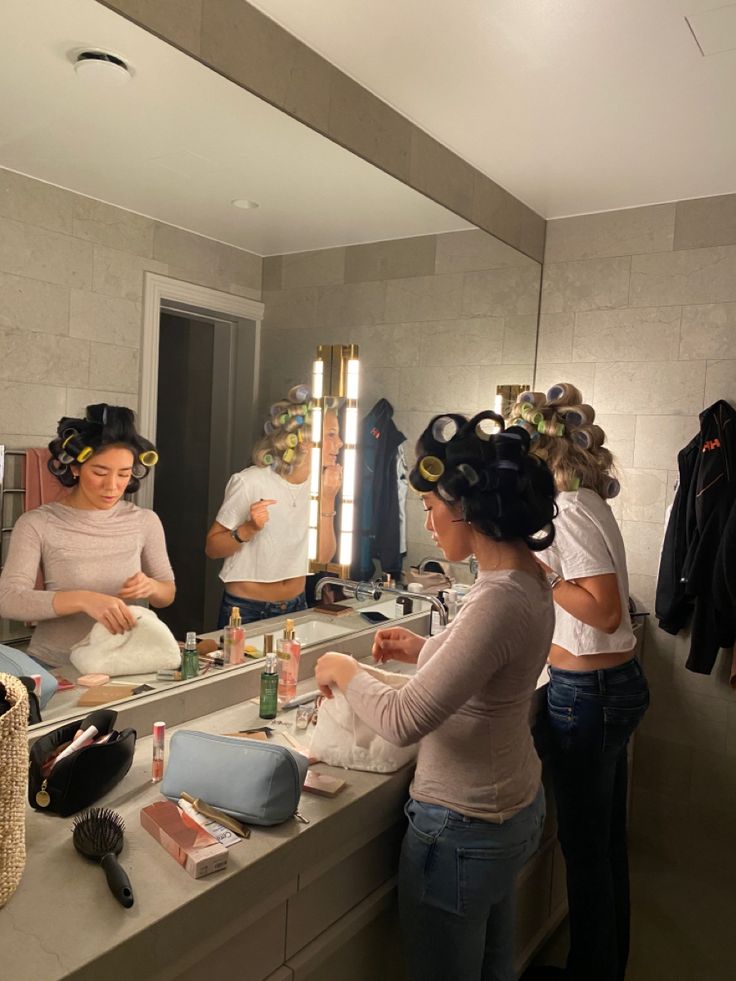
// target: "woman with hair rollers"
[[476, 808], [597, 693], [262, 527], [97, 552]]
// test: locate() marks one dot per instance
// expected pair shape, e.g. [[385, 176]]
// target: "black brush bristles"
[[98, 831]]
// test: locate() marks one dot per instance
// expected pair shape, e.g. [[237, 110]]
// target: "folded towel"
[[148, 647]]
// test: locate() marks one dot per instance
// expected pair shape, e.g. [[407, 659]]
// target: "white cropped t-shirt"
[[281, 549], [588, 543]]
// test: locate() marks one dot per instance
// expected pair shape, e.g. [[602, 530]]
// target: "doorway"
[[197, 405]]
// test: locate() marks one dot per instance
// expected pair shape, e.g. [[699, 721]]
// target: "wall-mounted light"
[[335, 386]]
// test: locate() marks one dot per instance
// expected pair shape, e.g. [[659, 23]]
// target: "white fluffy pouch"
[[340, 738], [150, 646]]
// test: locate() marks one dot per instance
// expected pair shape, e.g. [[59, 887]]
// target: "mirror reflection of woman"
[[96, 551], [331, 482], [262, 527]]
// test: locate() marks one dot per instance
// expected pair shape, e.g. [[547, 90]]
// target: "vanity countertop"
[[63, 922]]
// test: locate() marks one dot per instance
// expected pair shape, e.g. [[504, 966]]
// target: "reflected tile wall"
[[440, 321], [639, 310], [71, 290]]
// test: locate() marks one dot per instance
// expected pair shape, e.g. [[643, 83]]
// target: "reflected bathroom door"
[[202, 438]]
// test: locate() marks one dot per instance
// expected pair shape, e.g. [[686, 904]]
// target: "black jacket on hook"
[[697, 572]]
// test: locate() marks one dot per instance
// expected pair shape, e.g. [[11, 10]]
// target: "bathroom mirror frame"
[[260, 396]]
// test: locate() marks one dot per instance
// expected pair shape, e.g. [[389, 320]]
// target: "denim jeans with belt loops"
[[456, 891], [253, 610], [583, 737]]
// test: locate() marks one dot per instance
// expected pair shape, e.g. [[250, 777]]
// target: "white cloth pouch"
[[340, 738], [255, 782], [150, 646]]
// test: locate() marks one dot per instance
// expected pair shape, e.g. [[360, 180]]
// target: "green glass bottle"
[[268, 704], [190, 658]]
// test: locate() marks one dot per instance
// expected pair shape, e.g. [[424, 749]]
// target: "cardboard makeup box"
[[184, 839]]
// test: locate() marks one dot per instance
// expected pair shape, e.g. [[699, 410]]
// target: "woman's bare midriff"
[[268, 592], [561, 658]]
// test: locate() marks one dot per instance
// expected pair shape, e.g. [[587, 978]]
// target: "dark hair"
[[77, 440], [504, 492]]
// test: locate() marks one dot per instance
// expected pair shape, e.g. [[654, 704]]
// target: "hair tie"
[[431, 468]]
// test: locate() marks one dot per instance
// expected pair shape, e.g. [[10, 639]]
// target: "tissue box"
[[184, 839]]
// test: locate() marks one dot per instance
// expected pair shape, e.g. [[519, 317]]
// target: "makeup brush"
[[98, 835]]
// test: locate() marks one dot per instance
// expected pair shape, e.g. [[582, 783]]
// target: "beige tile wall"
[[440, 321], [639, 310], [71, 290]]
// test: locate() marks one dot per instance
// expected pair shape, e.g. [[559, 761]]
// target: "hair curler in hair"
[[551, 428], [299, 393], [612, 488], [588, 437], [444, 429], [431, 468], [536, 399], [468, 473], [564, 394], [523, 424], [577, 415], [530, 413]]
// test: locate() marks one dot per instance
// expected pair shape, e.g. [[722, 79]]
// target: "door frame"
[[163, 292]]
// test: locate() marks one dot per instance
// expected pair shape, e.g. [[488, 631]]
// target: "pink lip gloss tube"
[[157, 764]]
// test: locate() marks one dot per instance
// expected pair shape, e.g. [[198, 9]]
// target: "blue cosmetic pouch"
[[15, 662], [251, 780]]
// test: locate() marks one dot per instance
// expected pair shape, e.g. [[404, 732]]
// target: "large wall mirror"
[[179, 174]]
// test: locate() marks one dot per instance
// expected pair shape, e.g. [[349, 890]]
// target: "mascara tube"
[[157, 764]]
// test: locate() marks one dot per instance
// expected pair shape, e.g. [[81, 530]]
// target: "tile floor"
[[682, 919]]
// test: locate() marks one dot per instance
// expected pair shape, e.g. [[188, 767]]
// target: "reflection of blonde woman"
[[262, 527], [597, 693]]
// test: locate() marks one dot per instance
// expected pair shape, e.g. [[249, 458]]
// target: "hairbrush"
[[98, 835]]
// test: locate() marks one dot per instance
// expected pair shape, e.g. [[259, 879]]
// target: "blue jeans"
[[252, 610], [456, 891], [583, 737]]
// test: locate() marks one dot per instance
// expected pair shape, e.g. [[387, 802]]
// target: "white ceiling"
[[179, 143], [574, 106]]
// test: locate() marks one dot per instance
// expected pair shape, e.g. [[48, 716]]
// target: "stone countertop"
[[63, 922]]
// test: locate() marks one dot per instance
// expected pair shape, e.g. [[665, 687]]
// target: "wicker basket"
[[13, 783]]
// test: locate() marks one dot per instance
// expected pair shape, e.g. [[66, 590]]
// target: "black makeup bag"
[[85, 775]]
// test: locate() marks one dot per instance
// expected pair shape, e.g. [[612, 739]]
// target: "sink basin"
[[309, 632], [388, 606]]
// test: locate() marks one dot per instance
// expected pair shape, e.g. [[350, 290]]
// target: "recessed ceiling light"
[[244, 204], [101, 68]]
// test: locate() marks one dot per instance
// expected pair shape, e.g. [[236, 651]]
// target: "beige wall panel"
[[29, 304], [612, 233], [706, 221], [586, 284], [631, 334], [693, 276]]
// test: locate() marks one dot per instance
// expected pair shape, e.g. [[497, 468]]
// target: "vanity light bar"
[[318, 378]]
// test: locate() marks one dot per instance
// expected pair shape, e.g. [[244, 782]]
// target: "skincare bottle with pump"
[[289, 652], [234, 645], [268, 703], [190, 658]]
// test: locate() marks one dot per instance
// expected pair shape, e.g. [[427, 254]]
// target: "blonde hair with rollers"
[[286, 433], [565, 436]]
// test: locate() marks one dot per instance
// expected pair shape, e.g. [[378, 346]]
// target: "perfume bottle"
[[157, 763], [234, 642], [190, 658], [268, 702], [289, 652]]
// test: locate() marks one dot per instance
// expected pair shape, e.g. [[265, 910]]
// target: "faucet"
[[374, 591]]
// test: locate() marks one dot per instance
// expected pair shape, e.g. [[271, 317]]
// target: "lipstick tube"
[[157, 763]]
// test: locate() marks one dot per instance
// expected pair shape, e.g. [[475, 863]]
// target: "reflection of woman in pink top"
[[96, 551]]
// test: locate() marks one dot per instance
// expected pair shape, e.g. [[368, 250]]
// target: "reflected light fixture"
[[335, 381]]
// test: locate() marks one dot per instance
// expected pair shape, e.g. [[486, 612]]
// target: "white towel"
[[150, 646]]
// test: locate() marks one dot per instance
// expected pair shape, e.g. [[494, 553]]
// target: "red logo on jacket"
[[711, 444]]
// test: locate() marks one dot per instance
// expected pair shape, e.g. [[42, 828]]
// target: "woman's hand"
[[111, 611], [139, 586], [259, 514], [331, 482], [333, 669], [396, 644]]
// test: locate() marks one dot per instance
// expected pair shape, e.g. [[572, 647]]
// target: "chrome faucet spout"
[[360, 590], [435, 601]]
